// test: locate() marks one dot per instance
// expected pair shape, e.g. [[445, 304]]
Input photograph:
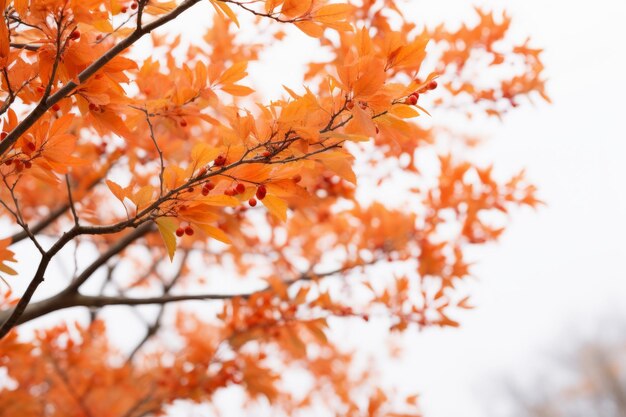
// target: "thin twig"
[[71, 200]]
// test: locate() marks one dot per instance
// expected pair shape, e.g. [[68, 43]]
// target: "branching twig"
[[71, 200], [43, 106]]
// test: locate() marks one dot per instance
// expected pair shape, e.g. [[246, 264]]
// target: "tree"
[[169, 180]]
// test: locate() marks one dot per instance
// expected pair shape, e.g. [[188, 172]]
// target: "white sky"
[[555, 268]]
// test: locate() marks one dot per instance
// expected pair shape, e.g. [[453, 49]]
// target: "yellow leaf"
[[215, 233], [7, 270], [340, 162], [6, 255], [227, 10], [295, 8], [404, 111], [423, 109], [270, 5], [237, 90], [219, 200], [279, 286], [316, 328], [345, 136], [370, 79], [332, 12], [143, 196], [167, 228], [158, 8], [117, 190], [234, 73], [310, 28], [202, 154], [361, 123], [276, 206]]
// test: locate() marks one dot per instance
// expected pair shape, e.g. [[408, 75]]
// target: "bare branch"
[[62, 299], [71, 199]]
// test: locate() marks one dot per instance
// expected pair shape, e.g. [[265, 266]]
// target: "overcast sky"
[[559, 270]]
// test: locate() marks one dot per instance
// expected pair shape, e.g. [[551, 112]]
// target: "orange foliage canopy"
[[171, 179]]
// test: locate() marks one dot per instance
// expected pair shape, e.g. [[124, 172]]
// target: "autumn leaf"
[[6, 255], [276, 206], [167, 228]]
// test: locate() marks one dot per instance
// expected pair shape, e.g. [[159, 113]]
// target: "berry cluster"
[[207, 187], [184, 231], [412, 98], [133, 6]]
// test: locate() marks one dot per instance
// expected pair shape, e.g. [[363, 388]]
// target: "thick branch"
[[67, 299], [51, 218], [102, 259], [61, 300]]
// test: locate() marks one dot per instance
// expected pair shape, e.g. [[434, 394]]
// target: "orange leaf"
[[276, 206]]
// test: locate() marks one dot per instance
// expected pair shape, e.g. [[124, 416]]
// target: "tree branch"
[[102, 259], [67, 299], [61, 300], [43, 106]]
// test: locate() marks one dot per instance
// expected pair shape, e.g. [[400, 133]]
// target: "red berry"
[[124, 9], [205, 191], [266, 154], [432, 85], [261, 191], [28, 164], [40, 89], [240, 188], [3, 135], [99, 38], [190, 189], [188, 231], [31, 146], [350, 105], [133, 6], [220, 161], [252, 202], [229, 192], [297, 178], [183, 123], [75, 35], [180, 231], [209, 185], [56, 107], [8, 162]]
